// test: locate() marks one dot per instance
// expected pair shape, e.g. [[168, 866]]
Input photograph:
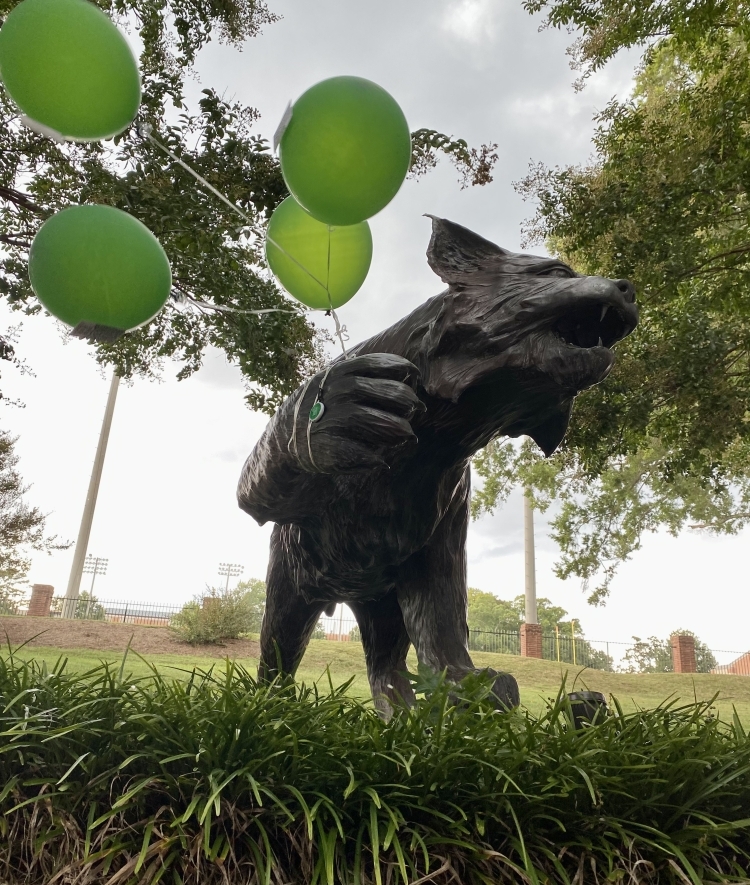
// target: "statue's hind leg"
[[288, 621], [386, 642], [432, 594]]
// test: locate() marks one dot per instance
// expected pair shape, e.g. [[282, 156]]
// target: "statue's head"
[[510, 311]]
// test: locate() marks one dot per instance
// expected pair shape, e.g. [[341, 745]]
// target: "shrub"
[[218, 614], [218, 779]]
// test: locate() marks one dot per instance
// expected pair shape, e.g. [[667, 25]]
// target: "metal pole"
[[528, 540], [226, 589], [341, 620], [573, 637], [93, 576], [84, 532]]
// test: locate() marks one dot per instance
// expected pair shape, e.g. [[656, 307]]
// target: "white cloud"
[[471, 20]]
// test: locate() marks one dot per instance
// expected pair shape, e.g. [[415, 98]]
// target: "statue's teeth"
[[600, 341], [605, 308]]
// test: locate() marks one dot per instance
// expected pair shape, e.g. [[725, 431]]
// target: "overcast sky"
[[167, 514]]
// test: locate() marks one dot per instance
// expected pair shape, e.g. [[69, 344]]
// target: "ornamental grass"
[[217, 779]]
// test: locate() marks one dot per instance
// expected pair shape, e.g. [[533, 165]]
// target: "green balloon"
[[98, 265], [320, 266], [68, 68], [346, 150]]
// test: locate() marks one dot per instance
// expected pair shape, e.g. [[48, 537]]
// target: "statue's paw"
[[368, 404], [505, 689]]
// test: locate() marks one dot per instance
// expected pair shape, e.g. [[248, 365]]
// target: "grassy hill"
[[538, 679]]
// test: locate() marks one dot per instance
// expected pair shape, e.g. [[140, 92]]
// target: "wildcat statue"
[[365, 468]]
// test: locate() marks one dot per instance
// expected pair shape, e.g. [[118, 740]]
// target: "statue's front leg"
[[288, 621], [432, 593]]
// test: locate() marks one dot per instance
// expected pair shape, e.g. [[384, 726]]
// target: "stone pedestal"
[[531, 640], [41, 600], [683, 653]]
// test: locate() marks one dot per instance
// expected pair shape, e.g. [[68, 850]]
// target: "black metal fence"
[[558, 646], [117, 611]]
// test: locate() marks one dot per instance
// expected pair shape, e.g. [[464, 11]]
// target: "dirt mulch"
[[104, 636]]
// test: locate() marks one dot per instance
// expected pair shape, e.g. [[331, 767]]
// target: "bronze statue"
[[365, 469]]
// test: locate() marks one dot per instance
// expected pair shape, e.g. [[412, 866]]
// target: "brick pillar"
[[41, 600], [531, 640], [683, 653], [210, 603]]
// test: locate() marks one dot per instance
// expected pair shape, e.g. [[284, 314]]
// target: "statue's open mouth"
[[595, 324]]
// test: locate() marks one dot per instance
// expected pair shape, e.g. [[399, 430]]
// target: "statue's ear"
[[549, 434], [455, 253]]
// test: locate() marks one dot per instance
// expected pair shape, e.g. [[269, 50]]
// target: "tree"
[[665, 441], [490, 618], [489, 614], [215, 254], [607, 26], [254, 592], [654, 655], [21, 529]]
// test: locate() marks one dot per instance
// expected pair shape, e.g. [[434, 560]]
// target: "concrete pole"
[[82, 543], [528, 540]]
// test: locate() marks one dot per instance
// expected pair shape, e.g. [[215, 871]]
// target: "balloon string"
[[195, 175], [339, 328], [145, 129], [224, 308], [299, 265], [340, 331]]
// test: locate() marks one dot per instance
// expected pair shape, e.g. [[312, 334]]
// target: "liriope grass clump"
[[216, 779]]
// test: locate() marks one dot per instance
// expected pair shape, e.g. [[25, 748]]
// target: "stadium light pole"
[[231, 570], [84, 532], [94, 565]]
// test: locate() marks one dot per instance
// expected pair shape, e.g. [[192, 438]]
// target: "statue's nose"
[[627, 289]]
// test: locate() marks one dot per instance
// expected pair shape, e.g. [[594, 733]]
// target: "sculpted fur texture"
[[371, 500]]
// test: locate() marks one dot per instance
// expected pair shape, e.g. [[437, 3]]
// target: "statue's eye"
[[556, 272]]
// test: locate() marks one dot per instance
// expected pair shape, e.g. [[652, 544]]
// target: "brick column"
[[531, 640], [210, 603], [41, 600], [683, 653]]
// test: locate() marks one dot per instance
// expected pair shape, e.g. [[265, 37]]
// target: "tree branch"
[[23, 201], [699, 268], [14, 241], [727, 519]]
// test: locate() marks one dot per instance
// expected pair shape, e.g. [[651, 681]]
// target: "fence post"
[[531, 640], [41, 600], [683, 653]]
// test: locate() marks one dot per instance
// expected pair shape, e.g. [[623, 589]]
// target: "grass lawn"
[[538, 679]]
